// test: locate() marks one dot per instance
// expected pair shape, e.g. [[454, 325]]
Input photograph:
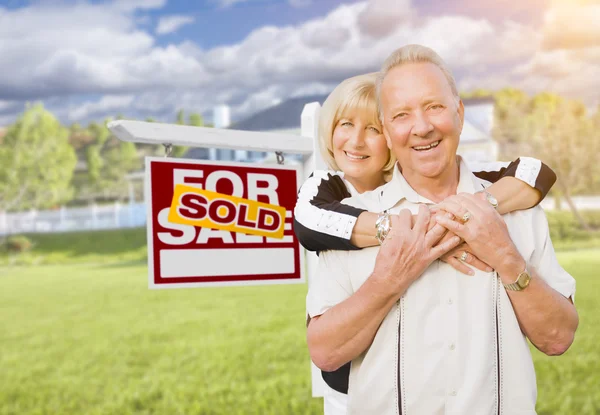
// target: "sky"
[[91, 59]]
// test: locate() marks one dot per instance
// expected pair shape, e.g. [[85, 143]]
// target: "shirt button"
[[452, 346], [453, 392], [449, 300]]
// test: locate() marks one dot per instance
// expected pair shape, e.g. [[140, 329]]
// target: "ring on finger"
[[466, 217], [464, 256]]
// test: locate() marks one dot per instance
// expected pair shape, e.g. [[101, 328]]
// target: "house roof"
[[285, 115], [479, 100]]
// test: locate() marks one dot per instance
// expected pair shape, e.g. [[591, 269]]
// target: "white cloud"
[[572, 27], [382, 17], [108, 103], [57, 52], [170, 24]]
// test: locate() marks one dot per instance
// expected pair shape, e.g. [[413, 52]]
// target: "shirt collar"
[[398, 188]]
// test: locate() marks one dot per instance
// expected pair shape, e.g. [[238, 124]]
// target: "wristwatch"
[[490, 198], [520, 283]]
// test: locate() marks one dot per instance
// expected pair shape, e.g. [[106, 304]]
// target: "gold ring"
[[464, 256], [466, 217]]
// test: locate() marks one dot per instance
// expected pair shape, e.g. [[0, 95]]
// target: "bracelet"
[[383, 226], [490, 198]]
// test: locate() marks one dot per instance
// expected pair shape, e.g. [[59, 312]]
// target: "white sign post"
[[305, 144]]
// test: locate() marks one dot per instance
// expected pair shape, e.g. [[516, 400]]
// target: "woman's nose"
[[357, 138]]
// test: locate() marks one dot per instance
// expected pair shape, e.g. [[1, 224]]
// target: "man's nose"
[[422, 125]]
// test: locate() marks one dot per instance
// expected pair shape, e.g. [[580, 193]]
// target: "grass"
[[90, 338], [80, 339], [82, 247], [569, 384]]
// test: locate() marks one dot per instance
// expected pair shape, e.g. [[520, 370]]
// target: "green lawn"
[[92, 339]]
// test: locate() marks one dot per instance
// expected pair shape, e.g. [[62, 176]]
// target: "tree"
[[476, 93], [509, 108], [180, 118], [36, 162], [196, 120], [555, 130], [594, 185], [108, 162]]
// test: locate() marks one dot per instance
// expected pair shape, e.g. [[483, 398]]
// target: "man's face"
[[422, 120]]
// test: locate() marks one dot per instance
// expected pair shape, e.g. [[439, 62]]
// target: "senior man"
[[423, 338]]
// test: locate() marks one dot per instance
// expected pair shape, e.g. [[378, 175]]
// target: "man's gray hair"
[[413, 54]]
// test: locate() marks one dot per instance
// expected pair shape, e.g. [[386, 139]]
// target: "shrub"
[[18, 244], [564, 226]]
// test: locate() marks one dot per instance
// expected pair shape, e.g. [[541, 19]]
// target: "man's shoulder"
[[535, 213], [528, 225]]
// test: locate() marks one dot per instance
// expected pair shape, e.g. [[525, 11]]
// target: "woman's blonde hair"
[[353, 95]]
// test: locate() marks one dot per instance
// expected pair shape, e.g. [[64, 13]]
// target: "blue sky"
[[91, 59]]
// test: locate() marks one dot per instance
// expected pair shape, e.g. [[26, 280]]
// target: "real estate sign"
[[217, 223]]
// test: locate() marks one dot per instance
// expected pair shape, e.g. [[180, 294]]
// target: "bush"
[[18, 244], [564, 226]]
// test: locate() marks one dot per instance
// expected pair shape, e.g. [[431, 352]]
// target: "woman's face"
[[360, 151]]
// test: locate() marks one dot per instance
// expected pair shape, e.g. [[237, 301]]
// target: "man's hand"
[[485, 231], [408, 250], [462, 254]]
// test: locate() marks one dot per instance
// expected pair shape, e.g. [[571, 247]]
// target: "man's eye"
[[436, 107], [400, 115]]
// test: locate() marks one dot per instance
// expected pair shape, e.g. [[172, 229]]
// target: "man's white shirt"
[[452, 343]]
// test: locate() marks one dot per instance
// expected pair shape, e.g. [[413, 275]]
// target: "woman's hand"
[[462, 255]]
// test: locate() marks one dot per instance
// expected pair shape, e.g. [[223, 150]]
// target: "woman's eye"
[[375, 130], [346, 124]]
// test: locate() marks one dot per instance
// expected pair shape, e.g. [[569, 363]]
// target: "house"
[[476, 142]]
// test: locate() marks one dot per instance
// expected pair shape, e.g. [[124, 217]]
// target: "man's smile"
[[427, 147]]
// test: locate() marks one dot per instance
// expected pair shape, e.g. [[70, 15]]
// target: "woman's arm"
[[321, 222], [518, 185]]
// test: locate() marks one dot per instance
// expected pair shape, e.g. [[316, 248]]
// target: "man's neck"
[[437, 188]]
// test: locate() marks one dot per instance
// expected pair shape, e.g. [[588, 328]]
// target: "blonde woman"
[[353, 146]]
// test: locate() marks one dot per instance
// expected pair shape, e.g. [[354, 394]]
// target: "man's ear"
[[388, 140], [461, 113]]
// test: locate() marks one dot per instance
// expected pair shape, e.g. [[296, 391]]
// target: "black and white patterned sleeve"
[[321, 221], [527, 169]]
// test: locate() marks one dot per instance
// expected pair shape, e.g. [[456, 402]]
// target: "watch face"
[[523, 280], [493, 201]]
